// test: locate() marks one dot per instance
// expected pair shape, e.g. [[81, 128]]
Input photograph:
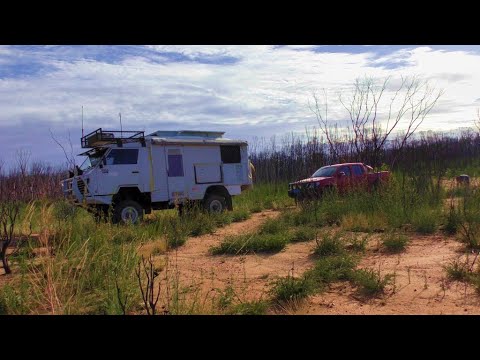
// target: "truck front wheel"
[[215, 203], [128, 211]]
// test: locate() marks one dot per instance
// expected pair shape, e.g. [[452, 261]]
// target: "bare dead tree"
[[148, 290], [320, 109], [371, 122], [122, 300], [23, 158], [9, 209], [476, 121], [70, 158], [362, 109]]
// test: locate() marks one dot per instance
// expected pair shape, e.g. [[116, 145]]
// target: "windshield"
[[325, 171], [92, 160]]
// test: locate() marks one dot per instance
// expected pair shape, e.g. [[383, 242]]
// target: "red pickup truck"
[[342, 177]]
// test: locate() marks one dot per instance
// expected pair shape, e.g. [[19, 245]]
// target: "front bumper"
[[307, 190], [74, 190], [294, 193]]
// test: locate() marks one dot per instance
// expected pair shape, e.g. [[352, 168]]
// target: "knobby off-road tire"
[[128, 211], [215, 204]]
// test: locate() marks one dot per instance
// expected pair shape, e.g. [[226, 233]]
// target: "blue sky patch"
[[248, 91]]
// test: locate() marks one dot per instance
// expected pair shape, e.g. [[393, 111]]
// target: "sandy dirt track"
[[420, 285]]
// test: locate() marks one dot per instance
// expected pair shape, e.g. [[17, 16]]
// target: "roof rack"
[[100, 137]]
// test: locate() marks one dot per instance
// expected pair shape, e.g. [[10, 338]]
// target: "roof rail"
[[100, 137], [188, 133]]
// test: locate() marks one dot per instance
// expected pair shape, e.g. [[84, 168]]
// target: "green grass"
[[465, 272], [258, 307], [263, 196], [272, 236], [370, 283], [400, 202], [303, 234], [394, 243], [329, 244], [360, 222], [91, 259], [331, 269], [251, 243], [14, 298], [475, 281], [291, 288], [94, 262], [226, 298], [240, 215], [468, 231], [452, 221], [273, 226], [358, 243], [457, 271], [425, 221]]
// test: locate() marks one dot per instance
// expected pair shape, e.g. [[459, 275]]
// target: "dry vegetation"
[[359, 253], [409, 247]]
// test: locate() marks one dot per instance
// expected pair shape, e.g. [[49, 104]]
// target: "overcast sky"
[[246, 91]]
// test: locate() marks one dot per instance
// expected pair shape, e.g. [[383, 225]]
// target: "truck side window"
[[122, 157], [175, 163], [358, 170], [345, 169], [230, 154]]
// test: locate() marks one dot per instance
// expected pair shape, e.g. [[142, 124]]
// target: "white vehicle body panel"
[[172, 169]]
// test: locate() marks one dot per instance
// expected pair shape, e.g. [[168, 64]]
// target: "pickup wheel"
[[128, 211], [214, 203]]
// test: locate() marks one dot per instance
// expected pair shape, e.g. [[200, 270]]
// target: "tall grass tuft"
[[394, 243], [330, 243]]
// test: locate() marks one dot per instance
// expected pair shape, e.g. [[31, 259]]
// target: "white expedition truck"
[[133, 174]]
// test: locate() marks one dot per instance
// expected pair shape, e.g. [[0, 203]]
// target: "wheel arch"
[[133, 193], [222, 191]]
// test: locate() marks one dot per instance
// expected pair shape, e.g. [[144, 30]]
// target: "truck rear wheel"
[[128, 211], [215, 203]]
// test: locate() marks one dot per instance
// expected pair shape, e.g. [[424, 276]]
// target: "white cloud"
[[267, 86]]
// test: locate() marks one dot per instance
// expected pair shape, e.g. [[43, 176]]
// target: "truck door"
[[175, 173], [343, 180], [359, 177], [120, 168]]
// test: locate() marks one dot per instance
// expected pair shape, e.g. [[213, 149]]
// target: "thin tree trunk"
[[6, 267]]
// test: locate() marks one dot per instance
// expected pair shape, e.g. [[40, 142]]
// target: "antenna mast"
[[121, 130], [82, 120]]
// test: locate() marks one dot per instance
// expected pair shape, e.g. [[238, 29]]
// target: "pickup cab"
[[341, 177]]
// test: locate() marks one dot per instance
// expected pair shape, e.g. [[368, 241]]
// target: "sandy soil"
[[250, 275], [420, 285]]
